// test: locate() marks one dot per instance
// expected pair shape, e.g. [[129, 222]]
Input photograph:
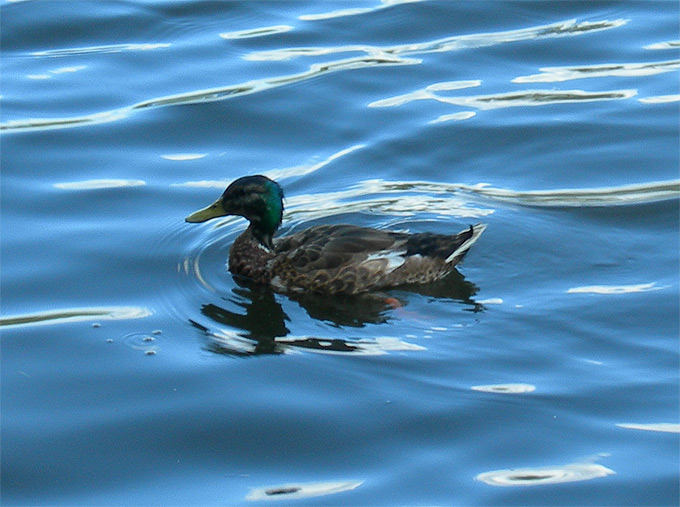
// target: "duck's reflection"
[[261, 328], [454, 286], [263, 321]]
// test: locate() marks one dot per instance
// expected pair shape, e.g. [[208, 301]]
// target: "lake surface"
[[136, 371]]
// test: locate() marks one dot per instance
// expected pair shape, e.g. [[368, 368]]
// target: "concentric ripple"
[[145, 342], [203, 268]]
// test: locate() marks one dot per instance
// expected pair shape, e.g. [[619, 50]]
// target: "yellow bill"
[[214, 210]]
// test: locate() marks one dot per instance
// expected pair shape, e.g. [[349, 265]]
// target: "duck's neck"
[[248, 257], [263, 237]]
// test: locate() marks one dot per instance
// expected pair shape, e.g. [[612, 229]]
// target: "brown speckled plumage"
[[330, 259]]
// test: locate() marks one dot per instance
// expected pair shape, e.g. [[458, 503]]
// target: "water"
[[136, 371]]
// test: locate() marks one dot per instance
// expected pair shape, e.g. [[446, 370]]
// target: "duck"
[[328, 259]]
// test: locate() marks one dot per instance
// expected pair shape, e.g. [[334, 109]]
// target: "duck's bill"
[[212, 211]]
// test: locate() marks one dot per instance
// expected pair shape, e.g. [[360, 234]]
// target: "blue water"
[[136, 371]]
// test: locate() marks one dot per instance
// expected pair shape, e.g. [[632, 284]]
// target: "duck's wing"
[[336, 259], [329, 247], [350, 259]]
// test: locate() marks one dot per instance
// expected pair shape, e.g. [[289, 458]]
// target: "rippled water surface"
[[136, 370]]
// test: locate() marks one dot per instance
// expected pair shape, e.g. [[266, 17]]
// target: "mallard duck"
[[328, 259]]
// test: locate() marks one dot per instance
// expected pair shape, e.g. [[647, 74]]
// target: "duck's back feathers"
[[350, 259]]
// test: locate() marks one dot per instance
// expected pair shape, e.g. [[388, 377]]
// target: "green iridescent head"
[[256, 198]]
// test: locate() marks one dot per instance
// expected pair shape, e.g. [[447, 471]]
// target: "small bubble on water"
[[140, 341]]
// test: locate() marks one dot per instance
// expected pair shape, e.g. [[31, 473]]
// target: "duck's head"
[[256, 198]]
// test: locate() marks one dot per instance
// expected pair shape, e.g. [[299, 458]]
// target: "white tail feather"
[[477, 231]]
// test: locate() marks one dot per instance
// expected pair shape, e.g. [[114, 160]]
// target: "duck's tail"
[[473, 233]]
